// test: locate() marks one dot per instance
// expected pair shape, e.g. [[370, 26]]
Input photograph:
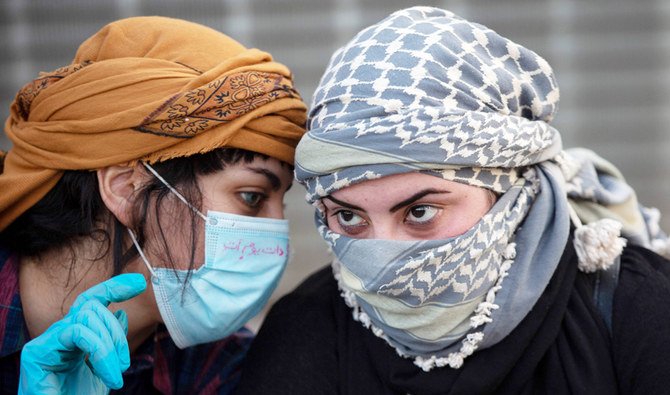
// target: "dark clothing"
[[158, 366], [310, 344]]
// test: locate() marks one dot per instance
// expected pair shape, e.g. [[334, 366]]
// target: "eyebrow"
[[415, 197], [343, 204], [409, 200], [273, 179]]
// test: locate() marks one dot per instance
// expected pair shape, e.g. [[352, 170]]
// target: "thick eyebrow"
[[273, 179], [416, 197], [343, 204], [404, 203]]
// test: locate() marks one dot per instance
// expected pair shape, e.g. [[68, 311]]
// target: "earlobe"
[[118, 185]]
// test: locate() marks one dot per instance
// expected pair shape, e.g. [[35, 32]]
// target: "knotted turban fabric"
[[146, 89]]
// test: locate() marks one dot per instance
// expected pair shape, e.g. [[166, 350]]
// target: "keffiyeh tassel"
[[597, 244]]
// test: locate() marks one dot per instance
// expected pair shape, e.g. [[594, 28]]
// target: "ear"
[[118, 185]]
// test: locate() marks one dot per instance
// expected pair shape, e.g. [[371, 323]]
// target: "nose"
[[385, 230], [275, 210]]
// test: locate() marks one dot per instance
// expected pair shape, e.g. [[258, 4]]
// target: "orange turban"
[[151, 89]]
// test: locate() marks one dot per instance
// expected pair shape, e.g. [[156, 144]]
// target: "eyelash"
[[353, 229], [338, 214], [261, 199], [426, 206], [350, 229]]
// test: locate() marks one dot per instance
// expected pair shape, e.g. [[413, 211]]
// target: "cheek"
[[199, 253], [464, 215], [274, 207], [198, 245], [476, 205], [183, 245], [171, 241]]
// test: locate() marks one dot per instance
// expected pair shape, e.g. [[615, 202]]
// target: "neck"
[[49, 285]]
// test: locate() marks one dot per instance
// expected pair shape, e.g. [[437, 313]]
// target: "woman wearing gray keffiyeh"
[[478, 255]]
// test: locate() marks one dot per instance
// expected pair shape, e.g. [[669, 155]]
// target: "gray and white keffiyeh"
[[425, 90]]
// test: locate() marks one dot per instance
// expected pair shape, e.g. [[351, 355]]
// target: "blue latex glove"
[[86, 352]]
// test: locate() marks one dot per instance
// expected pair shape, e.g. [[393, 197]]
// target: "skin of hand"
[[87, 350]]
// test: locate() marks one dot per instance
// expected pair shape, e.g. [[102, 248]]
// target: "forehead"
[[258, 167], [279, 168], [269, 163], [397, 186]]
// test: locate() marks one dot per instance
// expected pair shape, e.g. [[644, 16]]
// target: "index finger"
[[117, 289]]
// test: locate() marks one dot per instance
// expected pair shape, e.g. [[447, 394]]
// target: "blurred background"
[[611, 58]]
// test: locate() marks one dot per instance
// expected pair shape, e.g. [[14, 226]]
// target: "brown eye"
[[347, 218], [422, 214]]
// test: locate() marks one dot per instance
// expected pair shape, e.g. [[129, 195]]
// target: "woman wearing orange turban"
[[162, 152]]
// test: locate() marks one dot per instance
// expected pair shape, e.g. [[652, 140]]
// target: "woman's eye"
[[422, 214], [252, 199], [348, 219]]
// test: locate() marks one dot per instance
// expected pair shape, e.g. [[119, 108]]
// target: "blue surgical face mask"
[[244, 259]]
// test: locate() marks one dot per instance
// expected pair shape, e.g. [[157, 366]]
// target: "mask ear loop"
[[179, 195], [144, 258]]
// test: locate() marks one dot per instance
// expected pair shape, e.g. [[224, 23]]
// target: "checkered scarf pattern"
[[427, 91]]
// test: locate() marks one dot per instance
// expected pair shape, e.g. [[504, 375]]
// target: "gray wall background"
[[611, 58]]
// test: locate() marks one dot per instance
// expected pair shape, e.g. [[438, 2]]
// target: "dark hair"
[[74, 208]]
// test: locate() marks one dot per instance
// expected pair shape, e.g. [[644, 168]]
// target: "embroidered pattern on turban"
[[146, 89]]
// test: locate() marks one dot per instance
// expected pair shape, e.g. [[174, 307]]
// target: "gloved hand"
[[86, 351]]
